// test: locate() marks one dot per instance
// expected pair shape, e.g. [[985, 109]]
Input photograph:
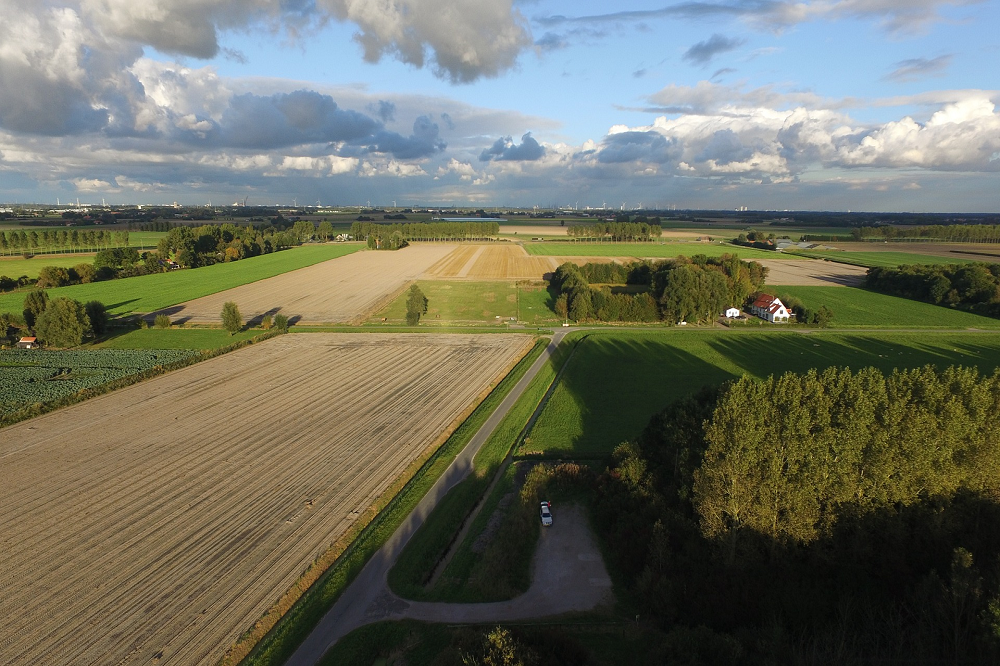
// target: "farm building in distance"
[[27, 343], [770, 308]]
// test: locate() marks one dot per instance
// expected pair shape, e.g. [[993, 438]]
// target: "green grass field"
[[15, 267], [646, 250], [476, 302], [881, 259], [153, 292], [176, 338], [617, 380], [856, 307]]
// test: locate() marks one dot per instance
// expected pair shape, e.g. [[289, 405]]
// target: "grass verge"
[[483, 303], [883, 259], [355, 548], [415, 566]]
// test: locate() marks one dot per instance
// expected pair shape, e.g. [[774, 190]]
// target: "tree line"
[[954, 233], [681, 289], [825, 517], [425, 231], [208, 244], [970, 287], [60, 240], [616, 232]]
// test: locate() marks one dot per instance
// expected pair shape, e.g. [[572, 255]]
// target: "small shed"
[[732, 313], [27, 343]]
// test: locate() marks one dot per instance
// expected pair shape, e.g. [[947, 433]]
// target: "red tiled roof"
[[28, 339], [764, 301]]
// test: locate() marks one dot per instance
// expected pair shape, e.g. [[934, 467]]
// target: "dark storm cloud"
[[505, 150], [915, 69], [424, 142], [702, 52], [638, 147], [296, 118]]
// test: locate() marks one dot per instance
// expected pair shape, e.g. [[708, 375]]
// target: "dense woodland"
[[681, 289], [970, 287], [830, 517]]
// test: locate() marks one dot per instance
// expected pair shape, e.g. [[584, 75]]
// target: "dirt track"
[[336, 291], [158, 522]]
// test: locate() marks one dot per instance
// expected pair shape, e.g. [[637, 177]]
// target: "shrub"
[[266, 323], [161, 321], [281, 323], [98, 315], [85, 273], [64, 323], [232, 321]]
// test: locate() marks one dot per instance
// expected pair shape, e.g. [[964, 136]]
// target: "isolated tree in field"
[[416, 305], [232, 321], [281, 323], [98, 315], [34, 304], [64, 323]]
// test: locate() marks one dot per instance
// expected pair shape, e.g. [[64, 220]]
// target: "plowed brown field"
[[498, 261], [335, 291], [157, 523], [812, 273]]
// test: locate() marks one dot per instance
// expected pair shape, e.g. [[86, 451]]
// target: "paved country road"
[[368, 598]]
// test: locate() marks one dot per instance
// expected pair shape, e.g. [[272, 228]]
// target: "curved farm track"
[[157, 523]]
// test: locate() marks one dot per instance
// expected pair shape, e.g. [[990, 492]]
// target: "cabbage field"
[[39, 376]]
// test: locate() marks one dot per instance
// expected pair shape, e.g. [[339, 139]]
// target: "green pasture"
[[856, 307], [617, 380], [646, 250], [880, 259], [15, 267], [147, 293], [476, 302]]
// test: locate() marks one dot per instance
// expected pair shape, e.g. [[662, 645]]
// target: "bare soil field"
[[336, 291], [812, 273], [497, 261], [155, 524], [988, 252]]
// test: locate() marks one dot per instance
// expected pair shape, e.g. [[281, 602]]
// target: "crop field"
[[154, 292], [32, 376], [332, 292], [886, 259], [811, 272], [459, 302], [158, 523], [499, 261], [15, 267], [646, 250], [870, 309], [617, 380]]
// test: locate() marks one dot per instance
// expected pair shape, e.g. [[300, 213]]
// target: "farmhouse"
[[770, 308], [27, 343], [732, 313]]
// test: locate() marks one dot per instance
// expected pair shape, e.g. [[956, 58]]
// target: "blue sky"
[[816, 104]]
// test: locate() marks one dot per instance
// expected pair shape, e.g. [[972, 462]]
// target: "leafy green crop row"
[[39, 376]]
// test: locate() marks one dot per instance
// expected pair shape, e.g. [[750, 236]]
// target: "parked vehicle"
[[545, 512]]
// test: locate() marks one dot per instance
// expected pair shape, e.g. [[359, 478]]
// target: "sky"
[[865, 105]]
